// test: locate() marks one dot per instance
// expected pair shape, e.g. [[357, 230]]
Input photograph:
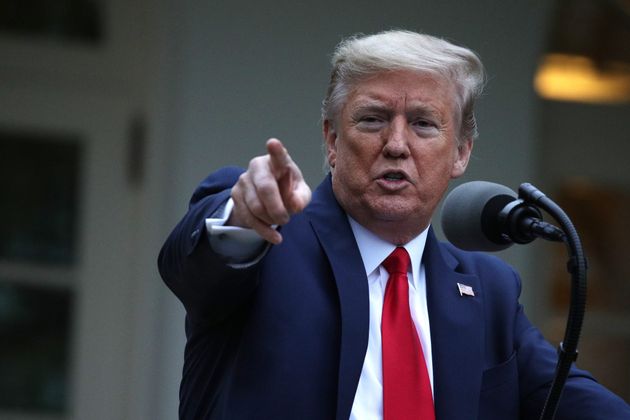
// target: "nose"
[[395, 137]]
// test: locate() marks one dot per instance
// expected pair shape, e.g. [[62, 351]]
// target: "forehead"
[[406, 89]]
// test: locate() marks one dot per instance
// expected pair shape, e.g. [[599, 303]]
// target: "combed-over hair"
[[360, 57]]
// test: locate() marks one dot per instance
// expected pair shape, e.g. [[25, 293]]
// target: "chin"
[[395, 213]]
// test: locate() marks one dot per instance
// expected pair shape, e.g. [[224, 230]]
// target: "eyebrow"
[[372, 107], [382, 107]]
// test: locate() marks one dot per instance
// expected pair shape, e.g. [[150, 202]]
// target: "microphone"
[[484, 216]]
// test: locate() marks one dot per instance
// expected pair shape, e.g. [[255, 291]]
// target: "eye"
[[370, 122], [425, 127], [370, 119], [423, 123]]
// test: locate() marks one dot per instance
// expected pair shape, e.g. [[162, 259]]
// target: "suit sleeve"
[[208, 287], [583, 398]]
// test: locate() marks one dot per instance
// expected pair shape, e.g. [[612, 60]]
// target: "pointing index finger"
[[280, 159]]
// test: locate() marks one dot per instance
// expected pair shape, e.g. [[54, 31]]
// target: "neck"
[[394, 232]]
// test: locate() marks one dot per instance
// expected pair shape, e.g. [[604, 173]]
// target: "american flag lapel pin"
[[465, 290]]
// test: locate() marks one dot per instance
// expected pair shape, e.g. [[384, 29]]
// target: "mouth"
[[393, 181], [394, 176]]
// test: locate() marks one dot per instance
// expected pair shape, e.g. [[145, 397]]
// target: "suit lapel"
[[457, 334], [335, 236]]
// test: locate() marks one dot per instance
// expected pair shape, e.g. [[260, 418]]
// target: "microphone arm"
[[567, 350]]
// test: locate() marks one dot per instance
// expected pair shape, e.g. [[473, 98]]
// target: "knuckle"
[[267, 188], [236, 193], [254, 161], [256, 208], [241, 182], [257, 162]]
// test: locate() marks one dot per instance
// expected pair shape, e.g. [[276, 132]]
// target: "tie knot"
[[397, 262]]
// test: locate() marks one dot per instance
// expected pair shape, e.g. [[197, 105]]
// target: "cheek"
[[434, 167], [349, 155], [346, 164]]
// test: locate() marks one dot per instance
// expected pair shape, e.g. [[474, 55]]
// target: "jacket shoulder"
[[491, 270], [472, 261], [217, 181]]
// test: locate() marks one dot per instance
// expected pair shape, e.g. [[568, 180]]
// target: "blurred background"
[[111, 111]]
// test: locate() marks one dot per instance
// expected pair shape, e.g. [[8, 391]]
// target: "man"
[[345, 305]]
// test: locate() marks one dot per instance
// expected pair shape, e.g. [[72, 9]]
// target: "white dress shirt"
[[368, 401]]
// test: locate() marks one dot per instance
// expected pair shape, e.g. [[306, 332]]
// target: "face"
[[393, 150]]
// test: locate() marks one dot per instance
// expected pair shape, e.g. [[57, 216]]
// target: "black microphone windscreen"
[[463, 214]]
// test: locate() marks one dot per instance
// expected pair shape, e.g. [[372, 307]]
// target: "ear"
[[462, 156], [330, 137]]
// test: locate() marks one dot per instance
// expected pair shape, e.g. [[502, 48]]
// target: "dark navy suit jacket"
[[286, 338]]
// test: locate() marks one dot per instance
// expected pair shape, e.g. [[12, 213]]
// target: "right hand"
[[269, 192]]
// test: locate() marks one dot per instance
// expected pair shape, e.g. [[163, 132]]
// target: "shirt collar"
[[374, 249]]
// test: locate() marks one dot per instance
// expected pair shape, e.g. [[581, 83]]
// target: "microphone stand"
[[576, 266]]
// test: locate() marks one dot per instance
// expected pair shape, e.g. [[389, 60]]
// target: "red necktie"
[[406, 386]]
